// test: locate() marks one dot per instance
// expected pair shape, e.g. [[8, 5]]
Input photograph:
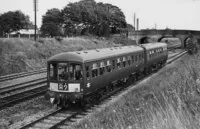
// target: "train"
[[80, 76]]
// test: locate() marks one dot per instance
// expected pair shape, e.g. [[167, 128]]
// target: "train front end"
[[65, 81]]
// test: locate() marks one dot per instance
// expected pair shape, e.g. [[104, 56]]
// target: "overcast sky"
[[174, 14]]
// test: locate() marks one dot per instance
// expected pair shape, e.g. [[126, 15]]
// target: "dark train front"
[[65, 79]]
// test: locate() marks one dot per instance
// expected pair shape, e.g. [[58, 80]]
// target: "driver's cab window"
[[63, 71], [53, 71], [75, 72]]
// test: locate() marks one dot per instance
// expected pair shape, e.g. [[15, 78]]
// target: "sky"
[[173, 14]]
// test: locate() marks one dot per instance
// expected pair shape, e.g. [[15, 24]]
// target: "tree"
[[52, 23], [1, 26], [129, 26], [95, 18], [13, 21]]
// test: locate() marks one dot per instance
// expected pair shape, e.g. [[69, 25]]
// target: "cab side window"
[[87, 68], [136, 58]]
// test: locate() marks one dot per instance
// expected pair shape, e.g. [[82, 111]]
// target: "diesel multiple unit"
[[74, 75]]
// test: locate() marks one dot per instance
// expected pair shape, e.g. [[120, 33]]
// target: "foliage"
[[87, 16], [13, 21], [82, 18], [52, 23], [129, 26]]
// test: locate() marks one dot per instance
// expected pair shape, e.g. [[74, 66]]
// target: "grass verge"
[[169, 100], [21, 55]]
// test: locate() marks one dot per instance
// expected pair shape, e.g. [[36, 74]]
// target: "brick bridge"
[[142, 36]]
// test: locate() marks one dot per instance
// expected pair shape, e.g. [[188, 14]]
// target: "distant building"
[[29, 30]]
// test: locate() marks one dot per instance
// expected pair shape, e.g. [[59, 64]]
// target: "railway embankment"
[[21, 55], [169, 99]]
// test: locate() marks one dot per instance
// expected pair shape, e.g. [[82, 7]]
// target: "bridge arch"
[[144, 40], [161, 38], [186, 41]]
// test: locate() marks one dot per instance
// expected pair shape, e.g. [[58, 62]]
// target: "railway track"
[[176, 56], [14, 94], [61, 118], [21, 86], [10, 100], [22, 74]]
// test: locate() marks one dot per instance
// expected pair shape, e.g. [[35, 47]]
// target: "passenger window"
[[129, 60], [149, 54], [124, 61], [118, 63], [102, 70], [94, 72], [108, 67], [136, 58], [132, 59], [113, 64]]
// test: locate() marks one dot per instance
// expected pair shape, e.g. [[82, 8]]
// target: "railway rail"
[[13, 95], [21, 86], [22, 74], [61, 118]]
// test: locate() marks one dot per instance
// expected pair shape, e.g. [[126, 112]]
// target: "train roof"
[[97, 54], [154, 45]]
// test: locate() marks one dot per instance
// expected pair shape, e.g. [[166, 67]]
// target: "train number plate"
[[62, 86]]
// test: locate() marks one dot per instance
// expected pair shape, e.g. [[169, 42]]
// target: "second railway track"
[[22, 74], [15, 98]]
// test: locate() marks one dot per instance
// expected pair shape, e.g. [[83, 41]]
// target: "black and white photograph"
[[100, 64]]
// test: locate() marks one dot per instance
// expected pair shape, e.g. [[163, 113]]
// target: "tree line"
[[82, 18], [13, 21], [79, 18]]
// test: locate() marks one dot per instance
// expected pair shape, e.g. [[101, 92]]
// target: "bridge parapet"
[[142, 35]]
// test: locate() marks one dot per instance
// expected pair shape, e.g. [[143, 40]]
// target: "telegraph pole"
[[137, 24], [35, 2], [134, 21]]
